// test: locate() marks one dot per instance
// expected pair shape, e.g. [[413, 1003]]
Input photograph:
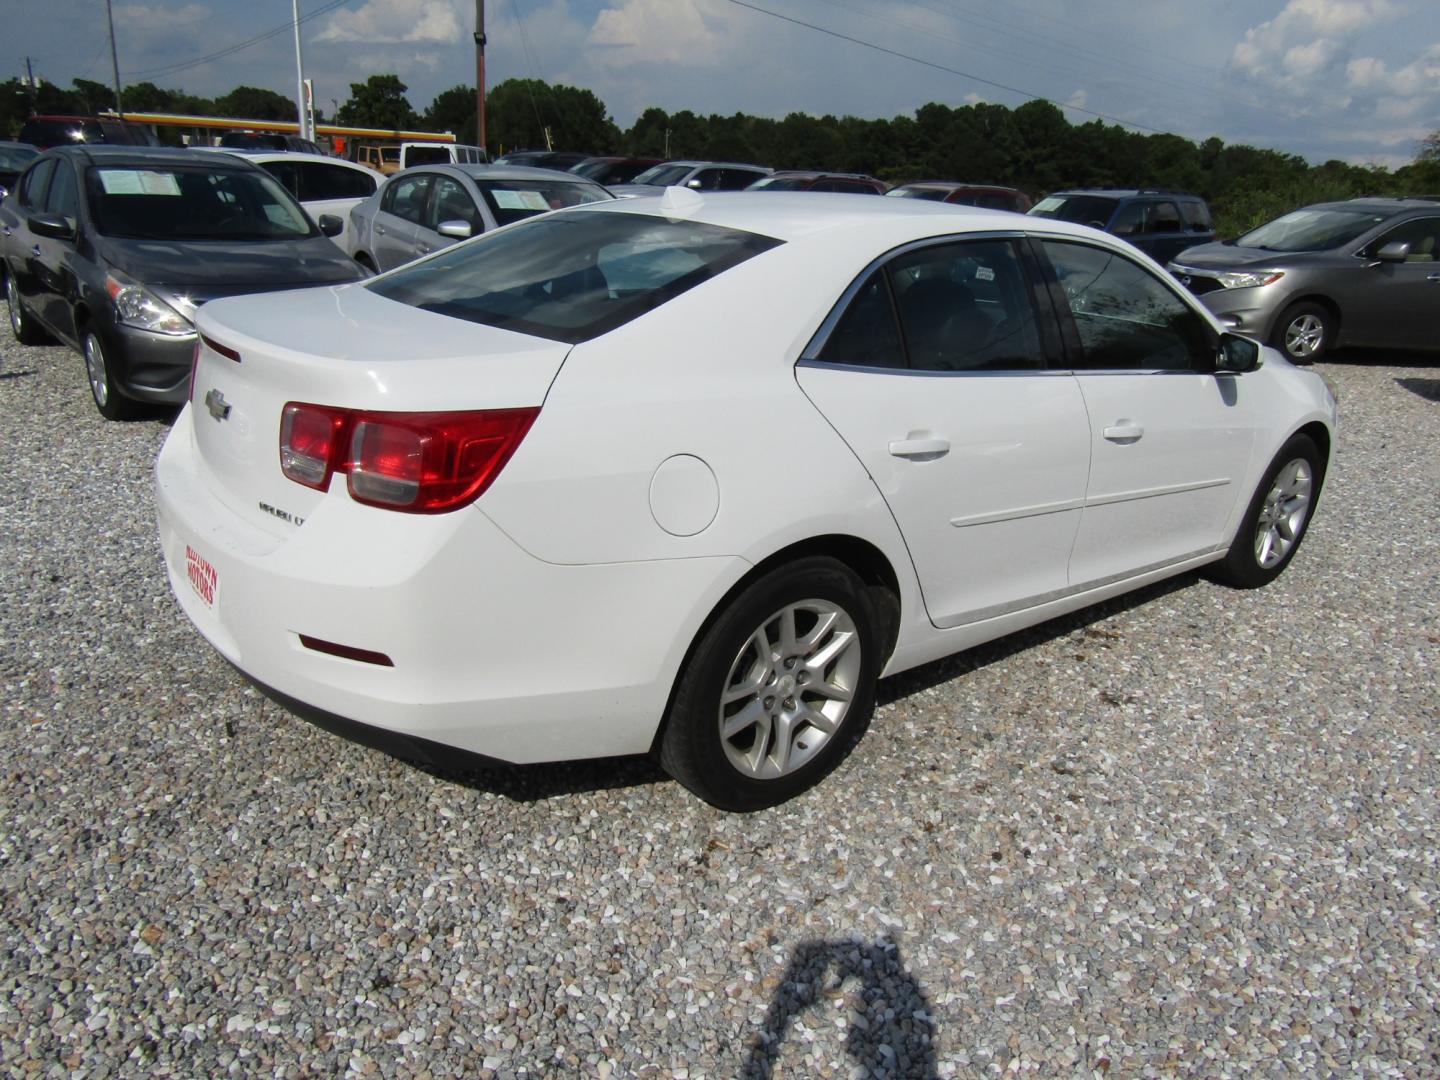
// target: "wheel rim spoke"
[[1282, 515], [790, 688]]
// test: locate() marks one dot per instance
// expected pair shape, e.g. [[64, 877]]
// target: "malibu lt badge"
[[215, 402]]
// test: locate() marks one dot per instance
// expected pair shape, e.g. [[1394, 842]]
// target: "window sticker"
[[520, 200], [984, 273], [138, 182]]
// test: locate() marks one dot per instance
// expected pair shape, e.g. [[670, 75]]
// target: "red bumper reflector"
[[223, 350], [348, 652]]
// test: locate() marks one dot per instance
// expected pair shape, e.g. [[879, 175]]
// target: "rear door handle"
[[1428, 277], [920, 446], [1123, 433], [380, 229], [424, 249], [35, 251]]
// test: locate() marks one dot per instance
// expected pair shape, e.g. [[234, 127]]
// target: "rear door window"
[[1164, 218], [1196, 215]]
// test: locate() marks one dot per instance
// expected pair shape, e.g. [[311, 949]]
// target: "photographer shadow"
[[889, 1028]]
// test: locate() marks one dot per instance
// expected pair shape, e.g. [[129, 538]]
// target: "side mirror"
[[1394, 252], [53, 226], [1237, 355], [456, 230], [330, 225]]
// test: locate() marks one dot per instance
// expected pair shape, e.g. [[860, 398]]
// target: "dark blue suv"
[[1160, 223]]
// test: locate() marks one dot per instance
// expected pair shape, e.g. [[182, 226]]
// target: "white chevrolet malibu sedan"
[[685, 475]]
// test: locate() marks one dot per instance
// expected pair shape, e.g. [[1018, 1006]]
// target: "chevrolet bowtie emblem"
[[215, 402]]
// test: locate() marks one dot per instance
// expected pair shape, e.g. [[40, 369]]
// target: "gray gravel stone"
[[1191, 832]]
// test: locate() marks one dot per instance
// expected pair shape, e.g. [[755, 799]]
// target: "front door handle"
[[380, 229], [920, 446], [424, 249], [1123, 432], [35, 251]]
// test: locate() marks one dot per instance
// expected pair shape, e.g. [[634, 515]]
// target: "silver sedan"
[[426, 208]]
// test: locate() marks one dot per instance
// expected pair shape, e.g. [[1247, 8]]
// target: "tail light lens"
[[421, 463]]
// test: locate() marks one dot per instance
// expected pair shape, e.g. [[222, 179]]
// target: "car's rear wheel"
[[22, 324], [100, 372], [777, 689], [1277, 518], [1304, 333]]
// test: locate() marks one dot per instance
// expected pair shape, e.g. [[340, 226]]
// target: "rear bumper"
[[494, 652]]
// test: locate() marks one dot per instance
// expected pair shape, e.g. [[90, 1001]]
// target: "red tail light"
[[422, 463]]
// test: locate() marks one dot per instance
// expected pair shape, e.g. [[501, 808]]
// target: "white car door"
[[935, 374], [1170, 439]]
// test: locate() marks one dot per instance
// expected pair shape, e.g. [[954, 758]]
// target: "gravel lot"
[[1193, 832]]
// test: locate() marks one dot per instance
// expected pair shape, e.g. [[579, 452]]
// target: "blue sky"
[[1351, 79]]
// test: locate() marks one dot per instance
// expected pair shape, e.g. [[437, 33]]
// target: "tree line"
[[1033, 147]]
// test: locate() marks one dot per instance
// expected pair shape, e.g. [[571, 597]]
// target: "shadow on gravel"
[[1429, 389], [889, 1029], [4, 375], [1382, 358], [952, 667]]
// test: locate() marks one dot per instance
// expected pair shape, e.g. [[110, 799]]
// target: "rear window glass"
[[571, 277], [515, 200], [426, 155], [932, 194], [771, 183], [1081, 209], [46, 133]]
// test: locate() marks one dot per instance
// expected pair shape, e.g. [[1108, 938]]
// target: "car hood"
[[217, 267], [1218, 256], [630, 191]]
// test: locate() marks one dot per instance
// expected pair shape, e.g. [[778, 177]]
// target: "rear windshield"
[[426, 155], [1311, 230], [664, 175], [933, 194], [1081, 209], [515, 200], [15, 158], [770, 183], [571, 277], [192, 203], [47, 133]]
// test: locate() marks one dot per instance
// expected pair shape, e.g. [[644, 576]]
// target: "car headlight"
[[1245, 280], [139, 307]]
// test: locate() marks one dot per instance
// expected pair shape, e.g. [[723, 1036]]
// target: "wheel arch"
[[871, 565], [1320, 435]]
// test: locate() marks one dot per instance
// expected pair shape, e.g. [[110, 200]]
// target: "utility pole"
[[299, 75], [114, 61], [480, 131], [30, 85]]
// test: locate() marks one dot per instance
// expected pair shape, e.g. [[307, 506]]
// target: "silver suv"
[[1360, 273]]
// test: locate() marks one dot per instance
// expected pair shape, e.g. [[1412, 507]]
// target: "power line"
[[283, 28], [941, 67]]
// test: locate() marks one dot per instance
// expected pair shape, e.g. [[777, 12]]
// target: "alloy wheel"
[[789, 689], [1305, 336], [1282, 515], [12, 301], [95, 368]]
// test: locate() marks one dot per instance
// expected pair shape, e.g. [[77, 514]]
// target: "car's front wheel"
[[100, 372], [22, 324], [777, 689], [1304, 333], [1277, 518]]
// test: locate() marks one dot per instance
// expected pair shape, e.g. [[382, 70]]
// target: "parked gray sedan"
[[1364, 272], [429, 207]]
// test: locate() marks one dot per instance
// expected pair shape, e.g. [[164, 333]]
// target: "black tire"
[[693, 749], [100, 374], [1304, 333], [1249, 564], [22, 324]]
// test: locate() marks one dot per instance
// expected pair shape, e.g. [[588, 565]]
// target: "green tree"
[[96, 95], [255, 103], [518, 113], [378, 102], [454, 110]]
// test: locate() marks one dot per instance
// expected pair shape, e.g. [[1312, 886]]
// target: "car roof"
[[792, 216], [1379, 204], [116, 154], [957, 185], [1123, 193], [816, 174], [260, 157], [480, 171]]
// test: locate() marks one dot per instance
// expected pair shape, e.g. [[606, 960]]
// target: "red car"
[[988, 196]]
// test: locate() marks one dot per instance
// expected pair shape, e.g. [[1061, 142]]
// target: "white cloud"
[[410, 22], [1301, 43], [657, 32]]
